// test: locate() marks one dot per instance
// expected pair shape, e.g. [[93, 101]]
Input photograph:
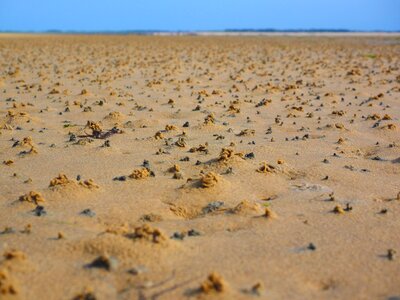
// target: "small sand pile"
[[170, 127], [90, 184], [200, 148], [247, 208], [95, 127], [114, 116], [87, 294], [213, 284], [60, 180], [341, 141], [118, 229], [148, 233], [32, 197], [389, 127], [8, 162], [373, 117], [339, 126], [7, 285], [227, 154], [158, 135], [13, 118], [6, 127], [266, 168], [269, 214], [338, 210], [26, 142], [184, 212], [63, 181], [209, 120], [140, 173], [233, 109], [14, 255], [387, 117], [174, 168], [181, 142], [210, 180]]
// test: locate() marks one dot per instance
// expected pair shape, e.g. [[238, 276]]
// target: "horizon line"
[[184, 31]]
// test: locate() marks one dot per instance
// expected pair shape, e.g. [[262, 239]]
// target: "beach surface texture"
[[199, 167]]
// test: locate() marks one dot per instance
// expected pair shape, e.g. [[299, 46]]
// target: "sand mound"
[[266, 168], [8, 285], [147, 233], [213, 284], [280, 169], [89, 184], [140, 173], [14, 119], [210, 180], [115, 117], [112, 244], [141, 123], [228, 154], [15, 255], [63, 182], [32, 197], [189, 212], [246, 208]]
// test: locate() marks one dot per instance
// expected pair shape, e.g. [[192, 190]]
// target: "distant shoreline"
[[227, 32]]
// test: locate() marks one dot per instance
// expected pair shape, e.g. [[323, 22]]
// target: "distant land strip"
[[244, 31]]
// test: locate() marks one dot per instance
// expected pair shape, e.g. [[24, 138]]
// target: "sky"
[[191, 15]]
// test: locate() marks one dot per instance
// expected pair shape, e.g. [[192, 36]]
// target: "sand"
[[139, 167]]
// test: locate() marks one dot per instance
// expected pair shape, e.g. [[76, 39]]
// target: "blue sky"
[[113, 15]]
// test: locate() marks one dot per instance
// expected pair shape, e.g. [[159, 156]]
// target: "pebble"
[[250, 155], [193, 232], [39, 211], [88, 212], [104, 262], [311, 247], [213, 206]]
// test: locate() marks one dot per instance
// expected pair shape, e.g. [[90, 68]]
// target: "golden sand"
[[204, 138]]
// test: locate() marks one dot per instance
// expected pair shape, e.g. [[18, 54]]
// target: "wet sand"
[[139, 167]]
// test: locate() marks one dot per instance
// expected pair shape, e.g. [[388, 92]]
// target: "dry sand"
[[282, 185]]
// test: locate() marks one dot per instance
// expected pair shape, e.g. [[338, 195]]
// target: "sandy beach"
[[199, 167]]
